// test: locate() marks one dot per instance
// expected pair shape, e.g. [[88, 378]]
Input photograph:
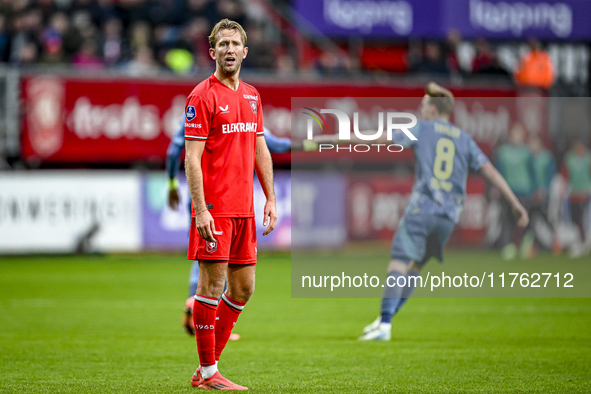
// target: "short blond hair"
[[440, 97], [226, 24]]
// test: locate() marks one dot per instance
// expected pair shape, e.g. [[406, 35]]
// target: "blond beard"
[[226, 70]]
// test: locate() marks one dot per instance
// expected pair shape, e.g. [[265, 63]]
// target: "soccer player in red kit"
[[224, 147]]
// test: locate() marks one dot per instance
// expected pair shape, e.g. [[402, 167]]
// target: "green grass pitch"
[[111, 324]]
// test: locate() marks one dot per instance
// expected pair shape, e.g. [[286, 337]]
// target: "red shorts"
[[237, 243]]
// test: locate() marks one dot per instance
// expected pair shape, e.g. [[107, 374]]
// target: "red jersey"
[[228, 122]]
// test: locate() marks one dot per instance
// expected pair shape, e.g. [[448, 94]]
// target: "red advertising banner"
[[376, 203], [77, 120], [88, 121]]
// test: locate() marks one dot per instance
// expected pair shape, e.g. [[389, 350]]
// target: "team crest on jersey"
[[211, 247], [191, 113], [253, 106]]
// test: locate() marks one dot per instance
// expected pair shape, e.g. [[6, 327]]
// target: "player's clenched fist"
[[270, 217], [522, 216], [205, 226], [174, 199]]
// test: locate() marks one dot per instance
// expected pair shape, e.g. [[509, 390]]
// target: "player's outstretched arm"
[[203, 219], [277, 144], [172, 164], [495, 177], [264, 170]]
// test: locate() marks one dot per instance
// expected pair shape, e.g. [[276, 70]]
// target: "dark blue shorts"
[[420, 237]]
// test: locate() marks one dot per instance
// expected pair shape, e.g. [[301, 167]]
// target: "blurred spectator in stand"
[[166, 12], [60, 40], [87, 57], [175, 30], [143, 63], [544, 169], [33, 27], [196, 35], [92, 8], [140, 35], [199, 9], [27, 28], [28, 54], [53, 46], [47, 8], [164, 37], [180, 61], [132, 11], [536, 69], [451, 57], [70, 36], [231, 9], [22, 5], [20, 38], [483, 59], [486, 61], [107, 9], [496, 69], [85, 27], [114, 46], [6, 8], [333, 62], [188, 52], [514, 162], [34, 21], [285, 65], [174, 48], [260, 54], [577, 169], [4, 40], [432, 62]]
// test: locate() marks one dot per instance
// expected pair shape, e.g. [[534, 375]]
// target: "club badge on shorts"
[[211, 247], [253, 106]]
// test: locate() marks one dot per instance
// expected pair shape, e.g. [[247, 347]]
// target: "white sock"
[[209, 371], [385, 326]]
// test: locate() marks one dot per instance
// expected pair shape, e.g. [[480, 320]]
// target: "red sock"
[[226, 316], [204, 309]]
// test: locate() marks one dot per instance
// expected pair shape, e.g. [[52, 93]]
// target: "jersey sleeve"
[[476, 158], [260, 128], [399, 137], [197, 119]]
